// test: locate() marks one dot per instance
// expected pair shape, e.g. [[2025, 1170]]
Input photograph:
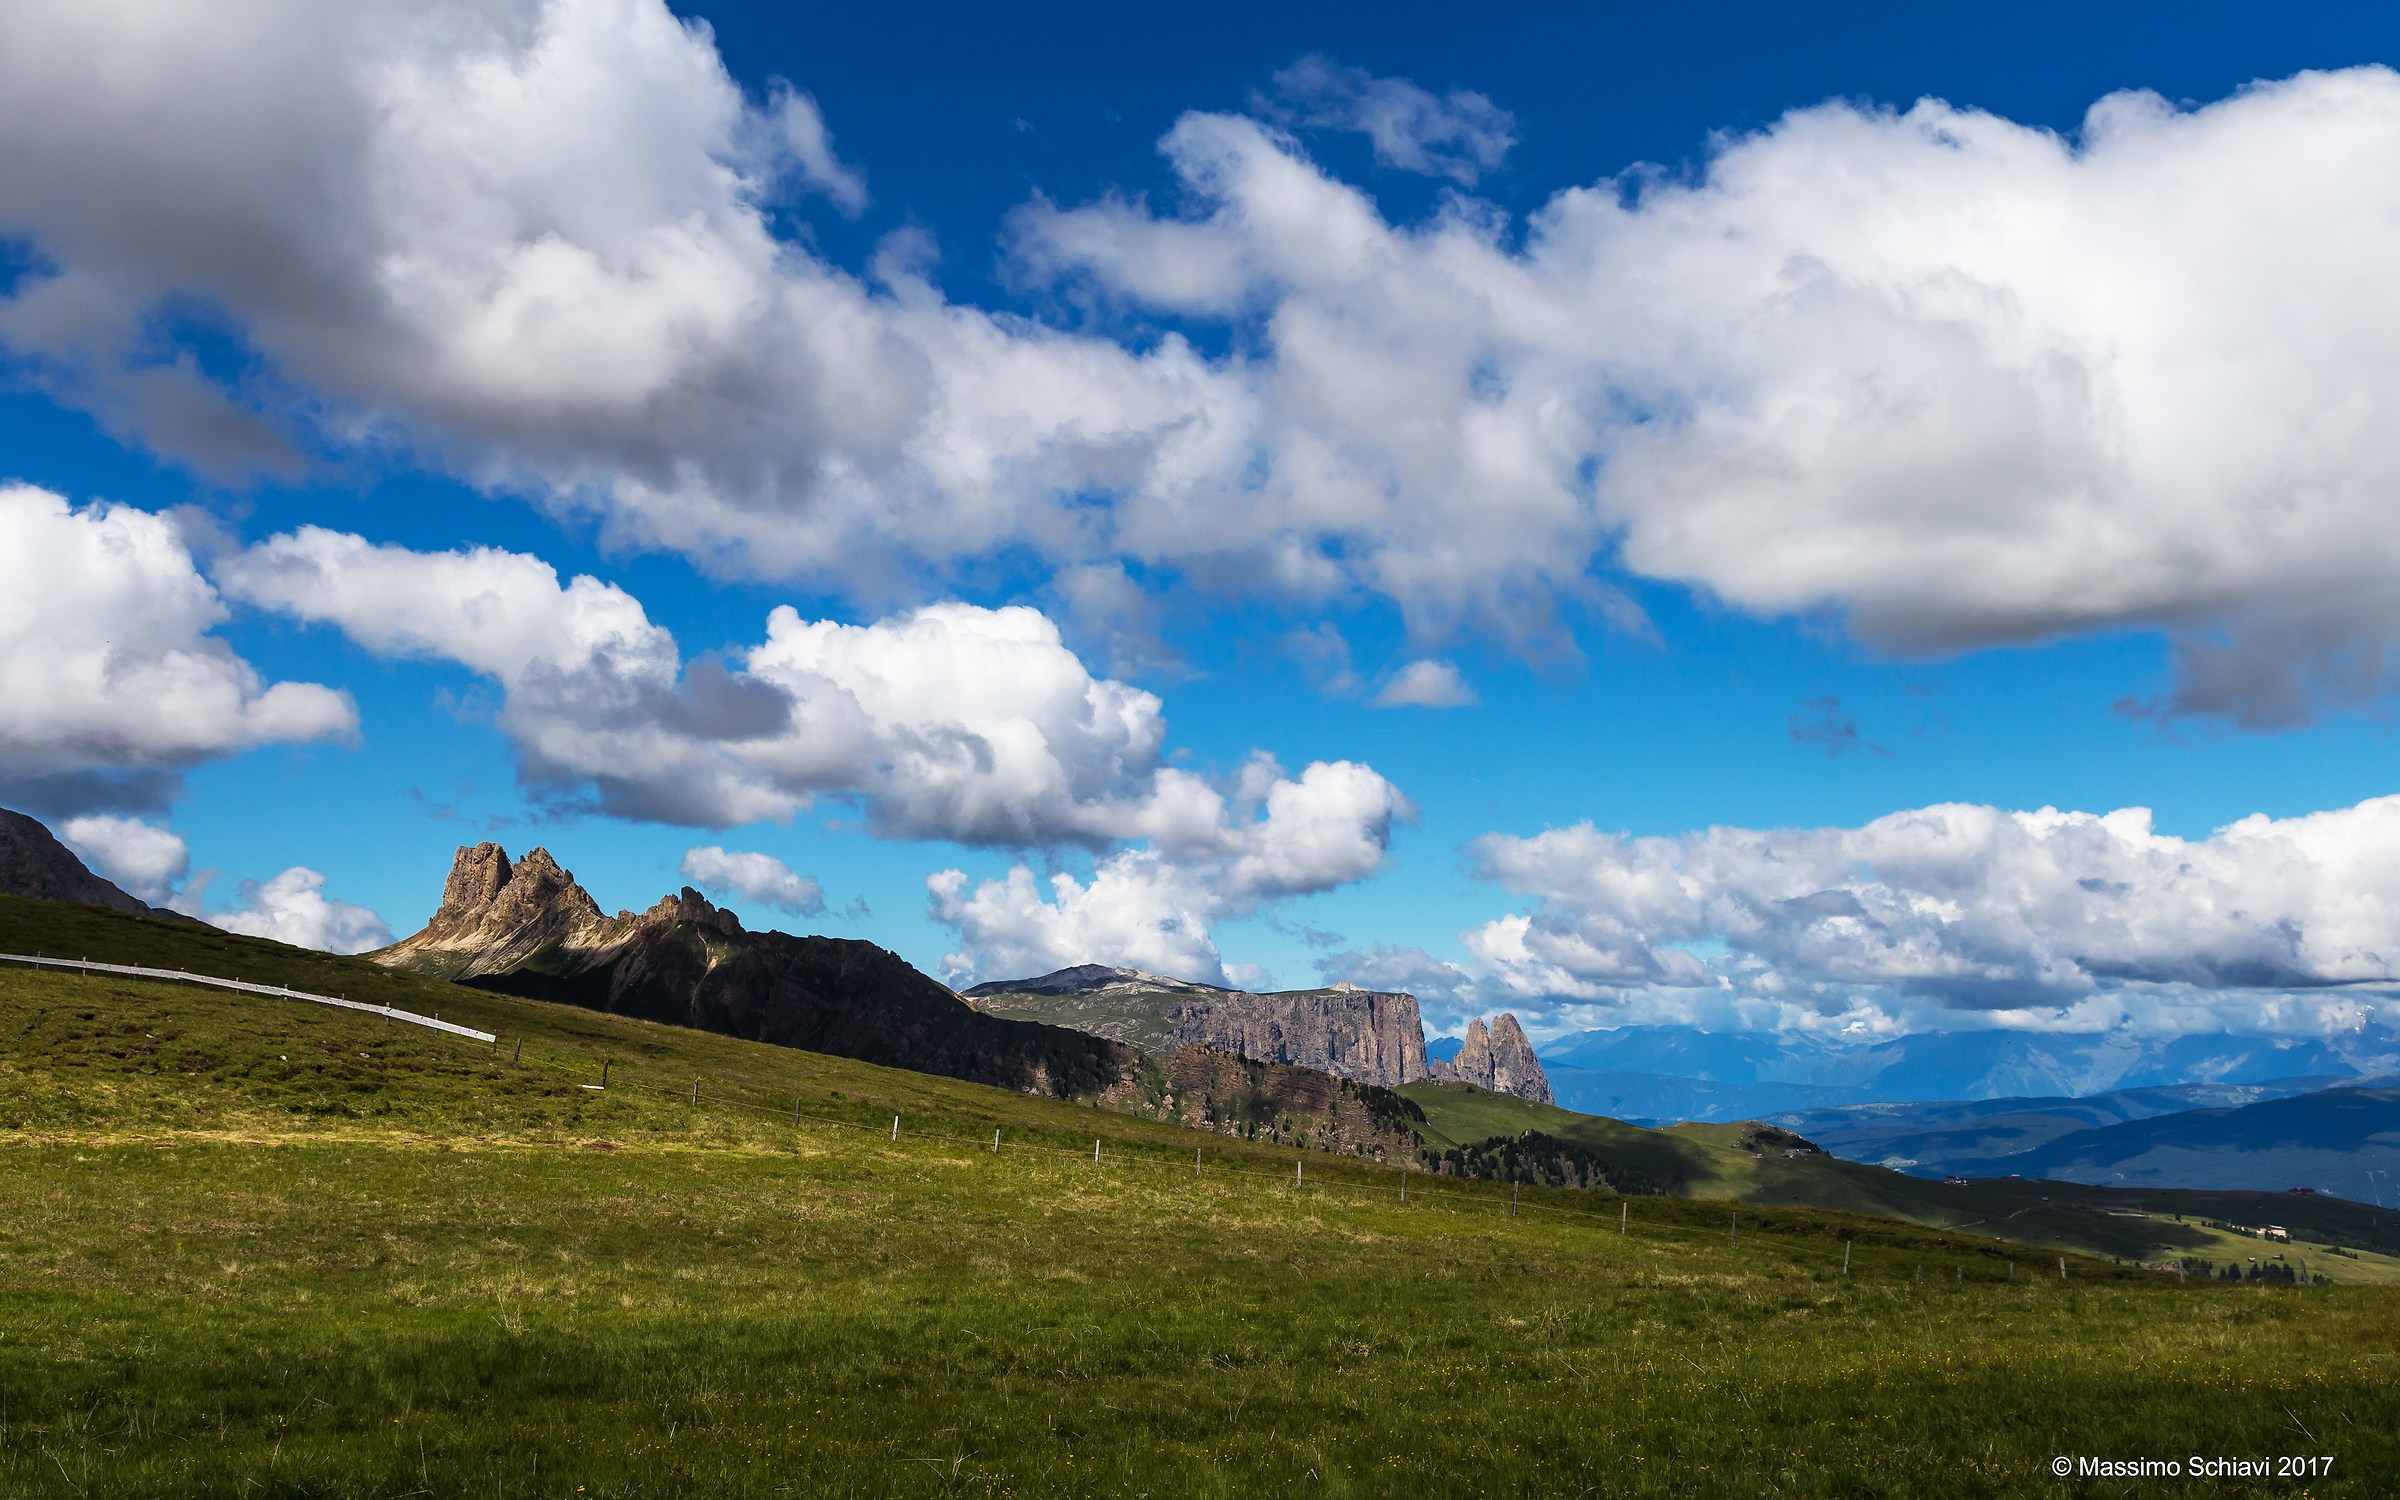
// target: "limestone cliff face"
[[526, 928], [1368, 1036], [1501, 1059]]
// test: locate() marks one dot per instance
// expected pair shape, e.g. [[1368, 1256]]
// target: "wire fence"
[[182, 976]]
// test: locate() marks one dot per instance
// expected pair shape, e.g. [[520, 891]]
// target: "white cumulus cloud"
[[141, 859], [111, 682], [951, 721], [761, 877], [1426, 684], [2041, 917], [1152, 907], [293, 908], [1956, 380]]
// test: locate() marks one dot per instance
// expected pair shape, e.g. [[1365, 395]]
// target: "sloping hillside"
[[1738, 1162], [2329, 1140]]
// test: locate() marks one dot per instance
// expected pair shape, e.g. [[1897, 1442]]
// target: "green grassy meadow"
[[261, 1248]]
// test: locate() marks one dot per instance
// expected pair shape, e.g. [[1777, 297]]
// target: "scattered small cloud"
[[759, 877], [1429, 683], [1824, 723], [1459, 135], [1324, 654]]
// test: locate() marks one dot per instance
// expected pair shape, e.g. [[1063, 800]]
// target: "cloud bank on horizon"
[[2044, 918], [1950, 380]]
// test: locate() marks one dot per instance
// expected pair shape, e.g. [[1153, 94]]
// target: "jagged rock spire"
[[1500, 1058]]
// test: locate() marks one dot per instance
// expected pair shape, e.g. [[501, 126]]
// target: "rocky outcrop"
[[1368, 1036], [496, 915], [1499, 1058], [34, 864], [526, 928]]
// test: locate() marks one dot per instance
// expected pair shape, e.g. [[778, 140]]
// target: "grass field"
[[264, 1248]]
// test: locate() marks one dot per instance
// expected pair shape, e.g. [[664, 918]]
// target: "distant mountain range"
[[2326, 1134], [1959, 1065]]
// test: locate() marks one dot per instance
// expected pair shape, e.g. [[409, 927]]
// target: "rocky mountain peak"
[[495, 909], [689, 905], [487, 892], [1500, 1058]]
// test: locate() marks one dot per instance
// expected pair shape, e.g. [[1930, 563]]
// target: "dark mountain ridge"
[[526, 928], [35, 865]]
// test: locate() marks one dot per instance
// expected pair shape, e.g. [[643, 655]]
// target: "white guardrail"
[[181, 977]]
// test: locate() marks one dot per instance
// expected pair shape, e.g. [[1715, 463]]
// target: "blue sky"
[[2001, 463]]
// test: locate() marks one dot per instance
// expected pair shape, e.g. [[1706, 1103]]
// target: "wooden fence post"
[[2062, 1268], [603, 1067], [795, 1109], [895, 1127], [1737, 1231], [519, 1052], [1512, 1200], [1195, 1161], [1624, 1213], [1404, 1184], [995, 1140], [1095, 1153], [695, 1093], [1845, 1257]]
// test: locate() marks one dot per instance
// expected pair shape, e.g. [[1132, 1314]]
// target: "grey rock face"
[[1368, 1036], [1501, 1059], [36, 865]]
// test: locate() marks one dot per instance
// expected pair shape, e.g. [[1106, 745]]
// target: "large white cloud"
[[111, 682], [2040, 917], [1959, 380], [952, 721], [532, 236]]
